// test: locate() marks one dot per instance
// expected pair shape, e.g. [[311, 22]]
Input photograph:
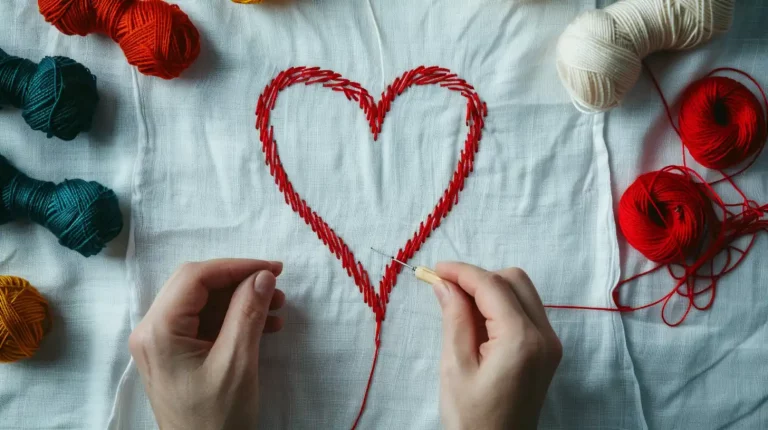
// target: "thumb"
[[459, 334], [247, 314]]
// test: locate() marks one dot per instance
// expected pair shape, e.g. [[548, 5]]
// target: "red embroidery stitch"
[[374, 112]]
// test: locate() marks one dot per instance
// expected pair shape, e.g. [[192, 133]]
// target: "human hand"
[[499, 350], [197, 349]]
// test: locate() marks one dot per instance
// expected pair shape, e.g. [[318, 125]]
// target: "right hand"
[[499, 350]]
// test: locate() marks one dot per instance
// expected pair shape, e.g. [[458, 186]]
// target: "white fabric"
[[185, 159], [539, 192]]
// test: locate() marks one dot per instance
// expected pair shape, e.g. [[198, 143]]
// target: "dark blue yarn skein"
[[83, 215], [57, 96]]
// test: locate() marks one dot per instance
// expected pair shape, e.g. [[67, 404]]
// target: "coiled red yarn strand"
[[675, 218], [721, 122], [689, 99], [665, 216], [156, 37]]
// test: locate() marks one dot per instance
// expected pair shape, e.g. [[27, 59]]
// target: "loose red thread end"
[[377, 340]]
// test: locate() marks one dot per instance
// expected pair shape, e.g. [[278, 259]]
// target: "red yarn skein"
[[155, 36], [676, 218], [666, 216], [721, 122]]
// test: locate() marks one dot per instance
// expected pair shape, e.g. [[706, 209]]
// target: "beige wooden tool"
[[422, 273]]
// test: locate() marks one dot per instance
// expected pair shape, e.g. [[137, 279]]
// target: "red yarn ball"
[[666, 216], [155, 36], [721, 122]]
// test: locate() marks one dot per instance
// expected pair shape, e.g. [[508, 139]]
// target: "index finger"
[[187, 290], [493, 297]]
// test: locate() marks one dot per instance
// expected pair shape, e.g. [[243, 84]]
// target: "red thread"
[[374, 113], [370, 375], [671, 215], [665, 216], [155, 36], [721, 122]]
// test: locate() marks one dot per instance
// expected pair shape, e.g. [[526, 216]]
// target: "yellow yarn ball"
[[247, 1], [24, 319]]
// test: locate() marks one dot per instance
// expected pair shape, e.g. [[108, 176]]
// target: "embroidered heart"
[[375, 113]]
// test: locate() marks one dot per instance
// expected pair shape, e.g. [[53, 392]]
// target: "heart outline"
[[375, 113]]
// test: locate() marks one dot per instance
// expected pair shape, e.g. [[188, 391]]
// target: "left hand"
[[197, 349]]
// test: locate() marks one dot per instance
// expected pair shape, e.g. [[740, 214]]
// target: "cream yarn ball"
[[599, 55]]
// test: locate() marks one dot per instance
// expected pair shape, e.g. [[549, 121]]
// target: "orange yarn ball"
[[24, 319], [155, 36]]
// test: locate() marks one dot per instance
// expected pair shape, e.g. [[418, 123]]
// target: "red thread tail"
[[370, 375]]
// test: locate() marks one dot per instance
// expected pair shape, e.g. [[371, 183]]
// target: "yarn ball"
[[84, 216], [247, 1], [57, 96], [24, 319], [599, 55], [155, 36], [666, 216], [721, 122]]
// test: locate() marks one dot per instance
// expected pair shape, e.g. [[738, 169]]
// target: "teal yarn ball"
[[57, 96], [85, 216]]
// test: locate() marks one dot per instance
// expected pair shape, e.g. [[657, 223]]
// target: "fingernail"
[[263, 281], [441, 291], [277, 266]]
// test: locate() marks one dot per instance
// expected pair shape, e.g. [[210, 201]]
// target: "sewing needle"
[[422, 273]]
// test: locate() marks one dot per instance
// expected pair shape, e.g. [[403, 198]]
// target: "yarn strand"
[[370, 375]]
